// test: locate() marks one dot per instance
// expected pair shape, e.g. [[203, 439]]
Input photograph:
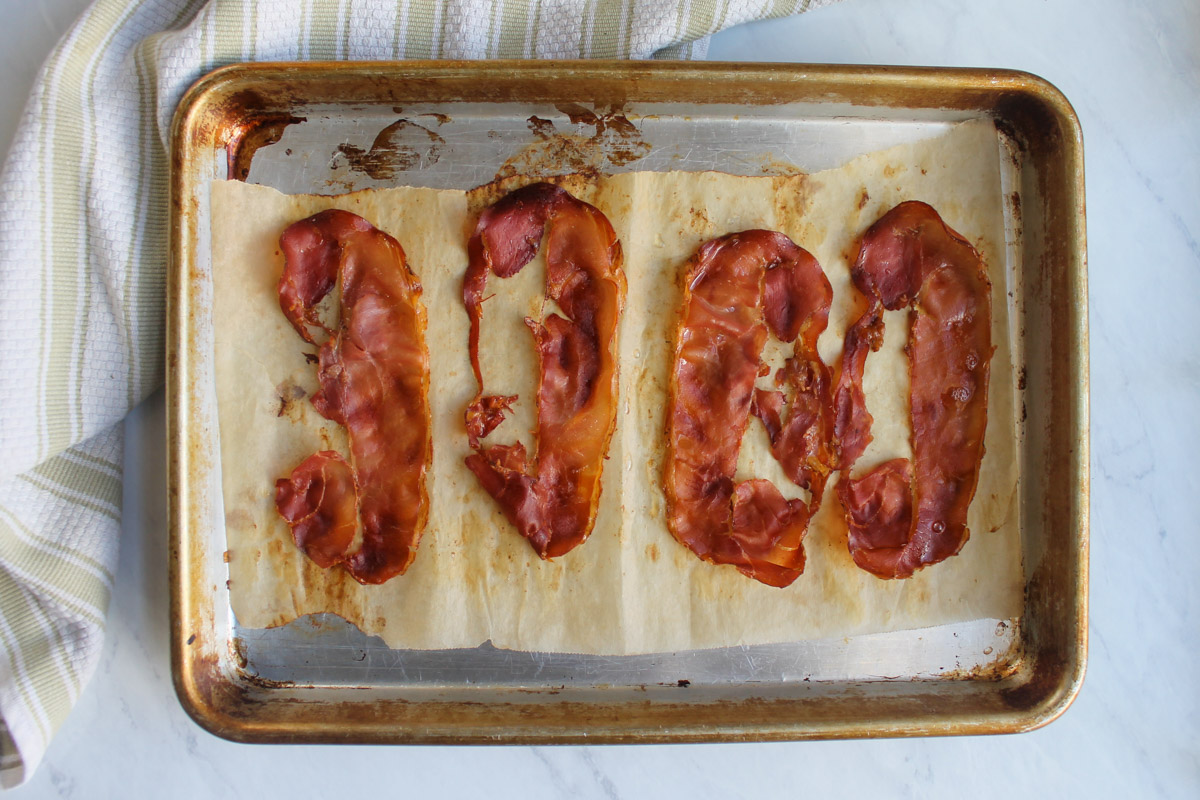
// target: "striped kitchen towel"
[[83, 220]]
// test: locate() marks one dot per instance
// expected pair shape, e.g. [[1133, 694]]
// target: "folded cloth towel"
[[83, 220]]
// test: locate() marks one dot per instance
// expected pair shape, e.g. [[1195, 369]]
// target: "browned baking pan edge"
[[232, 704]]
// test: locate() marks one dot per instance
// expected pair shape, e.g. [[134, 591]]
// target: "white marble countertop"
[[1132, 71]]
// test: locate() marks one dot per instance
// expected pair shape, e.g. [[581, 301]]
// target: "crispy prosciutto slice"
[[738, 288], [904, 515], [374, 374], [552, 497]]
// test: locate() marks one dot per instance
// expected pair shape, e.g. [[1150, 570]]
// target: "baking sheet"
[[630, 588]]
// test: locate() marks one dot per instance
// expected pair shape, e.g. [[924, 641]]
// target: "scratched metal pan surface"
[[331, 128]]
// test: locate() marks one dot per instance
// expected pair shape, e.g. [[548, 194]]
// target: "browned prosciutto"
[[374, 374], [738, 288], [551, 498], [904, 515]]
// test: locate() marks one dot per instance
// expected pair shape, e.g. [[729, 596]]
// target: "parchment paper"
[[630, 588]]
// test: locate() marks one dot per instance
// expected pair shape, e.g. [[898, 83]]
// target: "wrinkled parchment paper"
[[630, 588]]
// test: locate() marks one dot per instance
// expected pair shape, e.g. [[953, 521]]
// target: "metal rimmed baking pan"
[[324, 681]]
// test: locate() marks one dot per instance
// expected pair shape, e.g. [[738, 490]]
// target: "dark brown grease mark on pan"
[[400, 146], [441, 119], [614, 141], [620, 138], [1013, 199], [256, 131], [579, 115], [542, 128]]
